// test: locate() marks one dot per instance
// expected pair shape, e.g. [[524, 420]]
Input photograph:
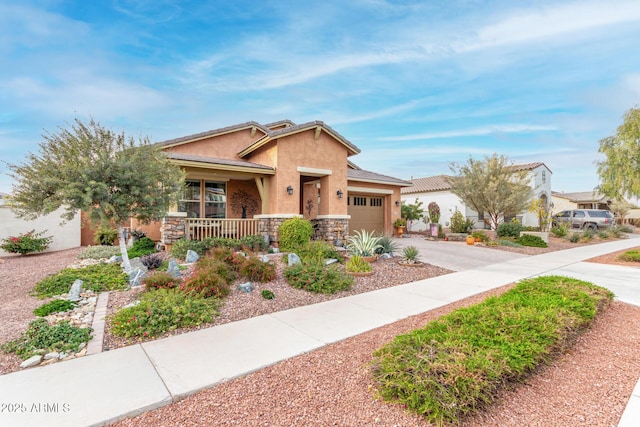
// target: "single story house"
[[437, 189], [580, 200], [248, 178]]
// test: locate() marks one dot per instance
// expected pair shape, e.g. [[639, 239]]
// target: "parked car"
[[584, 219]]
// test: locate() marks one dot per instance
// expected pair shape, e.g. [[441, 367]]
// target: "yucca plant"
[[357, 264], [410, 255], [387, 246], [363, 243]]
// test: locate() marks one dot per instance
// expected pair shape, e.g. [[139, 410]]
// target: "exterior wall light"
[[290, 190], [397, 202], [339, 193]]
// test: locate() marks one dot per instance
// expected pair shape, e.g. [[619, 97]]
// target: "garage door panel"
[[367, 212]]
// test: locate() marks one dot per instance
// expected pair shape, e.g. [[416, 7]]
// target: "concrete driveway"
[[456, 256]]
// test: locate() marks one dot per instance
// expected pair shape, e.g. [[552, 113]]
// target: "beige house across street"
[[246, 179]]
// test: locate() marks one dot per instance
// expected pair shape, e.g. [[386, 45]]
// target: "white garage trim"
[[369, 190], [334, 217], [314, 171]]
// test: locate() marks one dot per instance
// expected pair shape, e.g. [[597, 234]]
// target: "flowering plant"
[[26, 243]]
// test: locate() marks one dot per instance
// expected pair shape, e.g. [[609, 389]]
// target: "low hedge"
[[460, 362]]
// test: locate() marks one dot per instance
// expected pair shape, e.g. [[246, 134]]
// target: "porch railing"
[[201, 228]]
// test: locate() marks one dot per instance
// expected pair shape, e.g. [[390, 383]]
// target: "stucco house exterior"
[[248, 178], [437, 189], [580, 200]]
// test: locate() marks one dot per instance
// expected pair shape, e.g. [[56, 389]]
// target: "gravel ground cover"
[[589, 385]]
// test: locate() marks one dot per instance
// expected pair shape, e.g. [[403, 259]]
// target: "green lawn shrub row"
[[460, 362], [531, 240], [97, 277], [254, 243], [318, 278], [55, 306]]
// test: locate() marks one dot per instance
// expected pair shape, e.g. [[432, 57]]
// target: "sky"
[[416, 85]]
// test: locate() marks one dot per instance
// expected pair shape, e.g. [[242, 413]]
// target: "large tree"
[[620, 171], [492, 186], [99, 171]]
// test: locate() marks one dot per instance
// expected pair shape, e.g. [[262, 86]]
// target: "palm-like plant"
[[410, 255], [363, 243]]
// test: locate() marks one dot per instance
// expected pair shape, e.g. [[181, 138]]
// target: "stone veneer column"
[[269, 225], [332, 226], [173, 227]]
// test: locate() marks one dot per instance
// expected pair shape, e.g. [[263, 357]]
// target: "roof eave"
[[218, 166]]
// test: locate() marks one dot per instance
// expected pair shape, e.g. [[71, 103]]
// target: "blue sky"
[[415, 84]]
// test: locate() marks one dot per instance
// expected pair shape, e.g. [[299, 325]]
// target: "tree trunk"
[[126, 265]]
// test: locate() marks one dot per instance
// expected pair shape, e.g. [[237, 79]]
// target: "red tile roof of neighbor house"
[[368, 176], [528, 166]]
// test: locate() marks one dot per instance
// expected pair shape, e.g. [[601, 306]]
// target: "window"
[[359, 201], [375, 201], [215, 199], [544, 176]]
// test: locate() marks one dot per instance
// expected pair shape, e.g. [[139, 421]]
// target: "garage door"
[[367, 212]]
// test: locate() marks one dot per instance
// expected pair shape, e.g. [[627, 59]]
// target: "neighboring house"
[[248, 178], [437, 189], [581, 200]]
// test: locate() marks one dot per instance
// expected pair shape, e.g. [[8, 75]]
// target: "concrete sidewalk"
[[94, 390]]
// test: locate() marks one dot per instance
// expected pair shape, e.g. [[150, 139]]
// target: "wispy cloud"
[[479, 131]]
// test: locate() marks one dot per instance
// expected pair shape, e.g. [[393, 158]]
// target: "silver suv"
[[584, 219]]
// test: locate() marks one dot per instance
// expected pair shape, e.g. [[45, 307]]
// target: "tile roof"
[[368, 176], [528, 166], [430, 183], [214, 132], [216, 161], [581, 196]]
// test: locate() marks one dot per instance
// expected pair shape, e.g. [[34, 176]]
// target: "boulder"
[[293, 259], [52, 355], [173, 269], [264, 258], [74, 292], [115, 259], [330, 261], [136, 264], [246, 287], [32, 361], [192, 256], [386, 256], [136, 276]]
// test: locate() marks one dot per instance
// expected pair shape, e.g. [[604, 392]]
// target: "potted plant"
[[358, 266], [434, 218], [363, 244], [400, 224], [410, 257]]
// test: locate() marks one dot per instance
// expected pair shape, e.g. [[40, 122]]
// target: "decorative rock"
[[246, 287], [136, 264], [52, 355], [386, 256], [62, 355], [330, 261], [133, 304], [173, 269], [114, 259], [192, 257], [293, 259], [74, 292], [48, 362], [275, 250], [264, 258], [82, 345], [135, 277], [32, 361]]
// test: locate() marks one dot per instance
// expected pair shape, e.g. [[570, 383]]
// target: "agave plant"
[[410, 255], [357, 264], [363, 243]]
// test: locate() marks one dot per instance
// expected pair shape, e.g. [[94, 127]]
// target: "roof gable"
[[428, 184], [254, 126]]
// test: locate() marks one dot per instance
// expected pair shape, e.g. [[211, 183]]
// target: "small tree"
[[412, 212], [540, 208], [491, 186], [620, 208], [434, 212], [94, 169], [620, 171]]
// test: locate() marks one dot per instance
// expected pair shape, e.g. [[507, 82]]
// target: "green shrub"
[[458, 363], [509, 229], [479, 234], [574, 237], [161, 280], [255, 270], [254, 243], [460, 224], [510, 243], [604, 234], [42, 338], [387, 245], [410, 255], [587, 235], [363, 243], [55, 306], [180, 248], [267, 294], [105, 235], [357, 264], [630, 256], [99, 252], [623, 229], [318, 251], [530, 240], [142, 247], [293, 233], [161, 311], [560, 230], [97, 277], [233, 260], [26, 243], [211, 279], [221, 242], [318, 278]]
